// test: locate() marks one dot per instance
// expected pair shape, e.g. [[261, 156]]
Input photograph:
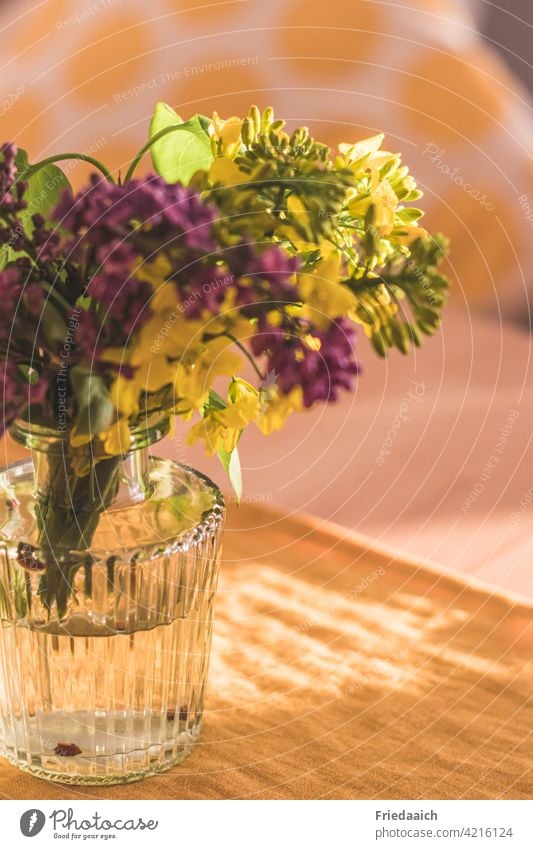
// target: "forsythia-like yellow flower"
[[124, 394], [117, 438], [226, 172], [357, 152], [278, 408], [221, 428], [228, 133], [324, 296]]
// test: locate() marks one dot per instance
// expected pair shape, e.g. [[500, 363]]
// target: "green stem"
[[59, 157], [53, 293], [247, 354], [68, 514]]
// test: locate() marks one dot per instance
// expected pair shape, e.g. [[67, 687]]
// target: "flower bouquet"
[[223, 291]]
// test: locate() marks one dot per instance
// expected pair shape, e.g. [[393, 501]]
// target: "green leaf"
[[21, 160], [400, 335], [95, 409], [178, 155], [379, 344], [163, 117], [229, 459], [215, 401], [53, 324], [409, 214], [204, 122], [407, 197], [7, 255], [232, 464], [45, 187], [414, 334]]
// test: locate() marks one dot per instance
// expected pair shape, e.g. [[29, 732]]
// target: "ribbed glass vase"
[[107, 579]]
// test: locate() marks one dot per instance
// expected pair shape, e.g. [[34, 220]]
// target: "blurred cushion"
[[86, 77]]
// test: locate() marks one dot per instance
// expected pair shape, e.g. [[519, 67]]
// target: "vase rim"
[[188, 539], [50, 440]]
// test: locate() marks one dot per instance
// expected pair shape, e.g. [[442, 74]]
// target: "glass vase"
[[107, 580]]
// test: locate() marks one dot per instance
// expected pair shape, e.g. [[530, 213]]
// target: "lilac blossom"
[[320, 373]]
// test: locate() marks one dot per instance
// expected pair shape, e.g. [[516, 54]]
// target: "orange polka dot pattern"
[[85, 74]]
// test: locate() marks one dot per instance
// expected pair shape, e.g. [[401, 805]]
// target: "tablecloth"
[[341, 670]]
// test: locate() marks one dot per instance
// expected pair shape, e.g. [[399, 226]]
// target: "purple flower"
[[259, 278], [276, 268], [114, 229], [11, 195], [262, 276], [320, 373], [141, 210], [115, 287], [47, 242], [93, 336], [11, 287], [125, 299], [8, 171], [35, 297], [203, 288]]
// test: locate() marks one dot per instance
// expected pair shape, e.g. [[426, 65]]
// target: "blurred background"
[[433, 453]]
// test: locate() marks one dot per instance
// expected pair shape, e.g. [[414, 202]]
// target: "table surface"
[[342, 670]]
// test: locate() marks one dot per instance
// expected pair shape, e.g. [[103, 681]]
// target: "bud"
[[266, 120], [379, 344], [255, 115], [247, 132]]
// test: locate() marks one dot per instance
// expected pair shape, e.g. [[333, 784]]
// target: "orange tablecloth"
[[342, 671]]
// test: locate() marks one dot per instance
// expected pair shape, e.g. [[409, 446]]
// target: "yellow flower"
[[195, 376], [166, 334], [219, 359], [213, 433], [117, 438], [300, 238], [226, 172], [155, 271], [324, 296], [79, 439], [408, 234], [227, 133], [190, 385], [169, 351], [374, 309], [355, 152], [276, 410], [153, 374], [384, 201], [124, 395], [244, 404], [221, 428], [164, 300]]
